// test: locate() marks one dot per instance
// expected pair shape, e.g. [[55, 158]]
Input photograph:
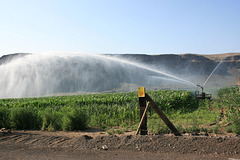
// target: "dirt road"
[[82, 145]]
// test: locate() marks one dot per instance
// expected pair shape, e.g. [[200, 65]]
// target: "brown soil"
[[89, 145]]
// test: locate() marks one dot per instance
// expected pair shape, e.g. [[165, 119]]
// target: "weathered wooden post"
[[143, 116], [142, 107]]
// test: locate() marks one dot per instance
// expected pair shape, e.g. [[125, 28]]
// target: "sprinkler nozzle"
[[199, 86]]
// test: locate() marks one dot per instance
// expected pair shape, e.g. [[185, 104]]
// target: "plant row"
[[82, 111]]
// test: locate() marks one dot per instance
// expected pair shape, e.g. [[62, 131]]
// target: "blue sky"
[[120, 26]]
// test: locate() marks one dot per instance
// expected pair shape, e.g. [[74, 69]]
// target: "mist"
[[35, 75], [42, 75]]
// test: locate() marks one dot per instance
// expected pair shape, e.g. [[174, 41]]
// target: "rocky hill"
[[189, 63]]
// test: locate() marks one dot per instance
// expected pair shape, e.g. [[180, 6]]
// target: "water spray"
[[43, 75], [144, 67], [214, 70], [203, 95]]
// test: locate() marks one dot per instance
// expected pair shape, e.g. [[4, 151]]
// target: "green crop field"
[[120, 110]]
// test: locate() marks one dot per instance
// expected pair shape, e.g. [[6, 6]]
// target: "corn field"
[[81, 111]]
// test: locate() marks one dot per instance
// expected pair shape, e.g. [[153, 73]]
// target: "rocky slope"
[[189, 63]]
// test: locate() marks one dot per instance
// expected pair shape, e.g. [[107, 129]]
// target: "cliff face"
[[233, 61], [188, 63]]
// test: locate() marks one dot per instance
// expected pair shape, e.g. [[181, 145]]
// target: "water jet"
[[203, 95]]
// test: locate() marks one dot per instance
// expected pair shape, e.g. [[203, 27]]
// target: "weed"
[[24, 118], [191, 129], [75, 119], [51, 120], [235, 123], [119, 131], [110, 132], [217, 129], [4, 118]]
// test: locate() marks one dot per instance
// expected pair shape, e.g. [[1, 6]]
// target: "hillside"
[[194, 67], [193, 63]]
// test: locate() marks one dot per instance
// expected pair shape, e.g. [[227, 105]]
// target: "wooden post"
[[144, 115], [162, 116], [142, 107]]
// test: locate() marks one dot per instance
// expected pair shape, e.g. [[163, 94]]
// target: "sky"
[[120, 26]]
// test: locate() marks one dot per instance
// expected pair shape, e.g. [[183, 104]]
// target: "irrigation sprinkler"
[[203, 95]]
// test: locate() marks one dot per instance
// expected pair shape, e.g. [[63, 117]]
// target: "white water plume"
[[41, 75], [170, 79], [149, 69], [214, 71]]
